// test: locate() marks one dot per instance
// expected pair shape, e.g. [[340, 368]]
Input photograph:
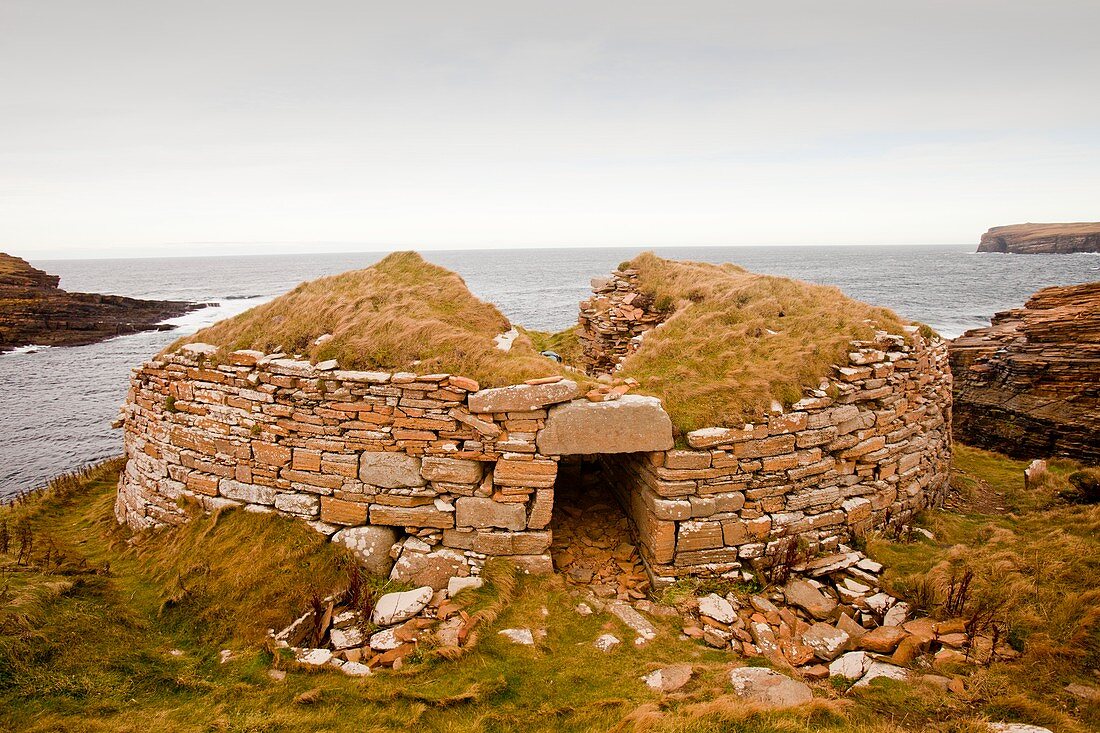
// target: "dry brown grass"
[[402, 314], [1038, 230], [738, 340]]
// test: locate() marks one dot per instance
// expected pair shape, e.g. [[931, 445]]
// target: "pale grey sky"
[[151, 127]]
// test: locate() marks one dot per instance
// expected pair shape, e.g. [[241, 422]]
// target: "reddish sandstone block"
[[202, 483], [338, 511], [271, 454], [306, 460]]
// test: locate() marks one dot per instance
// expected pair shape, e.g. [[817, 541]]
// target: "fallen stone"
[[884, 639], [852, 665], [799, 592], [457, 585], [636, 621], [370, 546], [313, 657], [869, 565], [882, 670], [849, 626], [449, 632], [434, 569], [355, 669], [717, 608], [896, 615], [523, 637], [393, 608], [769, 689], [668, 679], [607, 642], [880, 602], [827, 642], [346, 638], [385, 640], [1084, 692], [1017, 728], [631, 424]]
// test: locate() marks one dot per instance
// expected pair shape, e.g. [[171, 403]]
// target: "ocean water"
[[56, 404]]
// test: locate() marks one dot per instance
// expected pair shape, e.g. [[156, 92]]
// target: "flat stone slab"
[[768, 688], [393, 608], [522, 397], [668, 679], [630, 424]]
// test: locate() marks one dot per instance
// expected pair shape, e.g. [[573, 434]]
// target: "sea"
[[57, 404]]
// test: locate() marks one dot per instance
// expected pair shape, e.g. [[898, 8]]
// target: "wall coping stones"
[[630, 424], [522, 397]]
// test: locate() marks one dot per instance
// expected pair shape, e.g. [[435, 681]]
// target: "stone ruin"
[[426, 476]]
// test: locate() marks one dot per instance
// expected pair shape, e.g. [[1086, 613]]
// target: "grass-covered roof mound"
[[401, 314], [735, 341]]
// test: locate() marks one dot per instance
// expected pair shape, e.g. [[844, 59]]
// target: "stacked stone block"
[[447, 474], [432, 456], [614, 320]]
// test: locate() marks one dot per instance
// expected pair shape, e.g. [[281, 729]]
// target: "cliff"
[[1029, 384], [33, 310], [1035, 239]]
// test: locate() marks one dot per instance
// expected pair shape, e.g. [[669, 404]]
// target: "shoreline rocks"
[[34, 310], [1031, 239], [1027, 384]]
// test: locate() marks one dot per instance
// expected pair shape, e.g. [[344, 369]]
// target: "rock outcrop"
[[1042, 239], [1029, 384], [33, 310]]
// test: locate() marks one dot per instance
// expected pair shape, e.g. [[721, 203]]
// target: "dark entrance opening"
[[594, 541]]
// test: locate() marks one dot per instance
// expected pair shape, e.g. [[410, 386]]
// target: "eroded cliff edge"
[[1034, 239], [34, 310], [1029, 384]]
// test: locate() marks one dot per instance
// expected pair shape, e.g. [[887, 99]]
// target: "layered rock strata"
[[33, 310], [462, 473], [1029, 384], [1030, 239]]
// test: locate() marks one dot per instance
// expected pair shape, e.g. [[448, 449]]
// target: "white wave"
[[223, 308], [28, 349]]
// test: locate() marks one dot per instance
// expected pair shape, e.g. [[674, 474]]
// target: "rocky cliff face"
[[33, 310], [1034, 239], [1029, 384]]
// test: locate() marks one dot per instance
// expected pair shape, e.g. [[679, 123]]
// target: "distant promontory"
[[34, 310], [1041, 239]]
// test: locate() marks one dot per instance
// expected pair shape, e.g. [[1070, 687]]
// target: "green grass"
[[87, 647], [1036, 559]]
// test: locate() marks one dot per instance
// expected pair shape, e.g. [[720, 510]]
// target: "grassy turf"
[[87, 648], [736, 340], [401, 314]]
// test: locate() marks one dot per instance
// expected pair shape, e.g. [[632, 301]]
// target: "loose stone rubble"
[[345, 638]]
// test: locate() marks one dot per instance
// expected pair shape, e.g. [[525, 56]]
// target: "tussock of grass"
[[402, 314], [737, 340], [1035, 561]]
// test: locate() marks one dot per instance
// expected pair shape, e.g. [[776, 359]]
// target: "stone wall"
[[448, 474]]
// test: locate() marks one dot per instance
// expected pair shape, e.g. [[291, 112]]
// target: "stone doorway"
[[594, 542]]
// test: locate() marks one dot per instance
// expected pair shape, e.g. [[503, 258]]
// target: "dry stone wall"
[[426, 476], [447, 471]]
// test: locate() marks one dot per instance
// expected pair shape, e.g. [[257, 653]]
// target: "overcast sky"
[[156, 127]]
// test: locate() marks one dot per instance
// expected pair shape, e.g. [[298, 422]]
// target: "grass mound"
[[401, 314], [737, 340]]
